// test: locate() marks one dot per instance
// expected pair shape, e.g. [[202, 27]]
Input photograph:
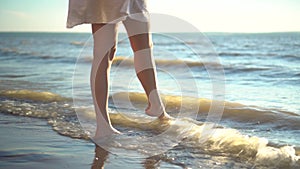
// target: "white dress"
[[105, 11]]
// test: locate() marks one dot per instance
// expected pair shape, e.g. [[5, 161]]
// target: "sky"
[[205, 15]]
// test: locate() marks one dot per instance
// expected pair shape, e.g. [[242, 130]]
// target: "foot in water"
[[160, 112], [101, 134], [155, 106]]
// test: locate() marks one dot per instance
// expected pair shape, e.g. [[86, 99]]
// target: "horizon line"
[[154, 32]]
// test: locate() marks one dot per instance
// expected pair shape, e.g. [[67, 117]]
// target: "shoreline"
[[31, 143]]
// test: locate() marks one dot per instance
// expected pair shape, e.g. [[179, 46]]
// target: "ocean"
[[46, 76]]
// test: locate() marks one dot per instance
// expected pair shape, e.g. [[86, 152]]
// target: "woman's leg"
[[141, 43], [105, 36]]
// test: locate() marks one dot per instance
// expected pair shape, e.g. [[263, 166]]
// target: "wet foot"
[[150, 111], [164, 116], [160, 112], [156, 107], [104, 134]]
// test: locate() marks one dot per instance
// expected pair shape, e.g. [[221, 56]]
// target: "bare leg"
[[104, 51], [141, 43]]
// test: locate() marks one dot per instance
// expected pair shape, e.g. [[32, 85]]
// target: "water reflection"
[[152, 162], [101, 155]]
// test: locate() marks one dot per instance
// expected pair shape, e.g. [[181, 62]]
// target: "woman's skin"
[[101, 155], [101, 71], [100, 80]]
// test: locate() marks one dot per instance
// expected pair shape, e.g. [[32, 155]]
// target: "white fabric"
[[105, 11]]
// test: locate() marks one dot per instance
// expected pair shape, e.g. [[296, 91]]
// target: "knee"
[[112, 52], [105, 62]]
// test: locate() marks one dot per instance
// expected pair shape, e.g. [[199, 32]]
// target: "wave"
[[50, 106], [276, 55], [14, 52], [232, 111], [32, 95], [126, 61], [234, 54], [129, 62], [245, 69], [176, 43], [77, 43], [159, 62], [14, 76], [33, 55], [177, 104], [220, 141], [290, 57], [296, 75]]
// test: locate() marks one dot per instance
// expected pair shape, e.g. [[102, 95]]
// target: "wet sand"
[[31, 143]]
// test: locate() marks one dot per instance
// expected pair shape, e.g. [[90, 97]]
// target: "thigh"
[[138, 33], [105, 38], [105, 32], [96, 27]]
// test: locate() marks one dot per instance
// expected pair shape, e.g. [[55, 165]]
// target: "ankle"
[[105, 132]]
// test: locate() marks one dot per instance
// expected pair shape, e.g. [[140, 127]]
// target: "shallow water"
[[261, 110]]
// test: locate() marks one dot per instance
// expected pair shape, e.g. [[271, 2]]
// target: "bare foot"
[[164, 116], [100, 134], [154, 112], [160, 113], [155, 107]]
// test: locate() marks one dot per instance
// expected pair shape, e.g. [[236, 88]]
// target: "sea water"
[[260, 123]]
